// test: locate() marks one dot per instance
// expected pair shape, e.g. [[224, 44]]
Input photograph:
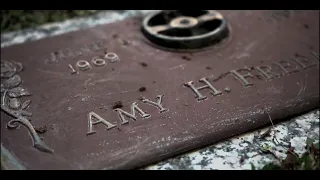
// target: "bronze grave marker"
[[121, 96]]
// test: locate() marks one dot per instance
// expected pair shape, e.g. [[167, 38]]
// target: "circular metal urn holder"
[[183, 29]]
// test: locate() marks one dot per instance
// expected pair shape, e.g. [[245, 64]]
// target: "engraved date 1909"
[[84, 65]]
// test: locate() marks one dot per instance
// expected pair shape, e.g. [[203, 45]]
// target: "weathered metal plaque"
[[107, 98]]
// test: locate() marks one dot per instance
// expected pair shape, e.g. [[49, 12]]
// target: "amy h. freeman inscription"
[[269, 72], [11, 92]]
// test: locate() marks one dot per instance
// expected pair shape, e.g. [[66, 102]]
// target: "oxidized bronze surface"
[[107, 98], [185, 30]]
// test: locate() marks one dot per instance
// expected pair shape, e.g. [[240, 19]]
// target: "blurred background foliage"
[[12, 20]]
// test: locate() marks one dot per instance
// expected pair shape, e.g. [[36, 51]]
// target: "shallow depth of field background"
[[12, 20]]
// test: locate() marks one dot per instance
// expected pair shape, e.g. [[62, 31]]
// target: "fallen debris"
[[142, 89], [227, 89], [186, 58], [265, 134], [143, 64], [41, 129], [310, 160], [117, 104]]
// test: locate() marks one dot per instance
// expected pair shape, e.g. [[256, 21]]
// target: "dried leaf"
[[313, 150], [18, 92], [291, 150], [290, 161], [309, 142], [26, 104]]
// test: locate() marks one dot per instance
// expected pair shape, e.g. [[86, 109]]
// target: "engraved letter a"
[[92, 115]]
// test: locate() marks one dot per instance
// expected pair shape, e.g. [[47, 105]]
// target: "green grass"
[[12, 20]]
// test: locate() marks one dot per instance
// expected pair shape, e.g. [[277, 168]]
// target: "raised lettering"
[[67, 53], [78, 53], [112, 57], [303, 62], [85, 49], [92, 115], [98, 61], [242, 78], [158, 104], [72, 69], [285, 66], [199, 96], [83, 65], [266, 72], [134, 108], [97, 46], [53, 57], [62, 54]]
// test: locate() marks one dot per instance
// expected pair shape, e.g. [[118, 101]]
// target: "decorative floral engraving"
[[11, 104]]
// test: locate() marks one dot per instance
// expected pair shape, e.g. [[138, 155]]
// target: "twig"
[[272, 126], [263, 135], [269, 130], [270, 118]]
